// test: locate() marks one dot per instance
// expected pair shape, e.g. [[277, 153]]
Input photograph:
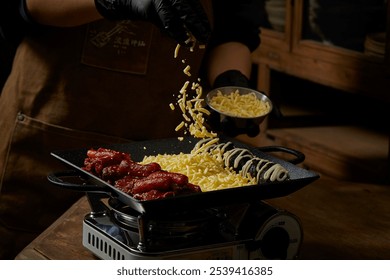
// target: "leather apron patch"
[[122, 46]]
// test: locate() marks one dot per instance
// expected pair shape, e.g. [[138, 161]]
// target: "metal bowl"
[[239, 121]]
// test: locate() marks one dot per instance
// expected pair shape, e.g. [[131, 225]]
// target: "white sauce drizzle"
[[263, 169]]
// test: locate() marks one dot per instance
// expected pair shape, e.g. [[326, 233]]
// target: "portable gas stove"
[[233, 223], [253, 230]]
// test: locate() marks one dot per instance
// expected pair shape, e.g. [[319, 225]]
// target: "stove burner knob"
[[275, 243], [278, 238]]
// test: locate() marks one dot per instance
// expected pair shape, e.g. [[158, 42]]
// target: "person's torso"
[[112, 77]]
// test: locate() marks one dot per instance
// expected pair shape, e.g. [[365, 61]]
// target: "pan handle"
[[56, 179], [299, 156]]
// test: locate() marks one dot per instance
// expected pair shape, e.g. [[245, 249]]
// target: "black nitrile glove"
[[177, 17], [231, 78], [227, 125]]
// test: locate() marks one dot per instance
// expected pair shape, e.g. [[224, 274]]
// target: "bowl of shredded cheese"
[[239, 103]]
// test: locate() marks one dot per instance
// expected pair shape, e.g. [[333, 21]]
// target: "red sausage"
[[153, 194], [148, 184], [179, 179]]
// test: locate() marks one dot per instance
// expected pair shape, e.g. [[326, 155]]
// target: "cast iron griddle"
[[299, 177]]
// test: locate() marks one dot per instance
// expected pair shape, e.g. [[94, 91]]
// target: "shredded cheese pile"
[[202, 168], [263, 170], [213, 166], [239, 105]]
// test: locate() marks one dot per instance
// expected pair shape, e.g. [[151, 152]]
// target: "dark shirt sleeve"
[[238, 20], [14, 21]]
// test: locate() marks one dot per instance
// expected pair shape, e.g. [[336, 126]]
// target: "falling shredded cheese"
[[204, 167], [176, 51], [180, 126], [192, 109], [187, 70]]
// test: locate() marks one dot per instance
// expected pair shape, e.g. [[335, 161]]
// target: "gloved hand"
[[231, 78], [174, 16], [228, 125]]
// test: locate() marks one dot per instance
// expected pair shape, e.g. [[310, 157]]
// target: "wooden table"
[[341, 220]]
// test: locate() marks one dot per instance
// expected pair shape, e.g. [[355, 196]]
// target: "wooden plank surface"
[[63, 239], [343, 152], [341, 219]]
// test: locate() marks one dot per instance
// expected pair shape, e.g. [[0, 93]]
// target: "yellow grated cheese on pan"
[[202, 169]]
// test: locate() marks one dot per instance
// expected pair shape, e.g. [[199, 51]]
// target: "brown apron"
[[79, 87]]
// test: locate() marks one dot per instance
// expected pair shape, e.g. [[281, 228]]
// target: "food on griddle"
[[142, 181], [112, 165], [202, 169], [239, 105], [243, 161], [216, 166]]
